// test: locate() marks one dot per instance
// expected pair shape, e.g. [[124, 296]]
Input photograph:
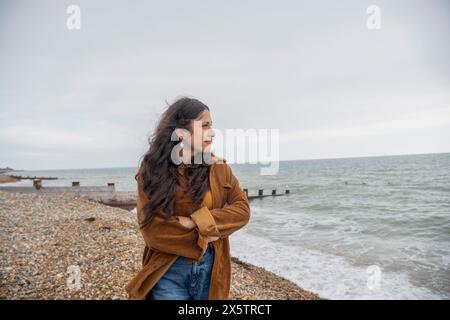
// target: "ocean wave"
[[330, 276]]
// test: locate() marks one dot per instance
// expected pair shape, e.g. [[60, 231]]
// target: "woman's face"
[[202, 133]]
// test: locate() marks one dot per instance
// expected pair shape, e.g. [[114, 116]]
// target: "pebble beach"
[[47, 241]]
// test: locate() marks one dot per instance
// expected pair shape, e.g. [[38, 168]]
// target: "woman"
[[189, 203]]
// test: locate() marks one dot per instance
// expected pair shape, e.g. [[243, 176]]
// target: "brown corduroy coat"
[[165, 241]]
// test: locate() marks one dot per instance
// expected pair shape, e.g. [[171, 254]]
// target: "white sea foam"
[[329, 276]]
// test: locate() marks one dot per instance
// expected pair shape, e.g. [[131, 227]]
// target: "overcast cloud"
[[90, 97]]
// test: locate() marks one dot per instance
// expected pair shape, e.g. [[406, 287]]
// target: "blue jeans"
[[186, 281]]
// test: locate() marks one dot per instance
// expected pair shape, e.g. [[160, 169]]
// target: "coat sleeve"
[[223, 222], [170, 235]]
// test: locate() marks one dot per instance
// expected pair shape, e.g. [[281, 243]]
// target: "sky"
[[334, 88]]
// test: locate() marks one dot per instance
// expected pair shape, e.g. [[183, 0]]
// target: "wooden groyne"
[[102, 194], [107, 194], [262, 195]]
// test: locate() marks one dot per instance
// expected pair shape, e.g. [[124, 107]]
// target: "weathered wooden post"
[[260, 192], [37, 183], [274, 192], [75, 183]]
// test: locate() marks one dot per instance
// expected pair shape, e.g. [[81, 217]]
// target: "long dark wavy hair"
[[158, 174]]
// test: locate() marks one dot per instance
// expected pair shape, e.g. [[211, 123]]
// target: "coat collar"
[[217, 179]]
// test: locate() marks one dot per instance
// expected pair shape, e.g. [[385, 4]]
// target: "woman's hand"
[[211, 238], [190, 224], [186, 222]]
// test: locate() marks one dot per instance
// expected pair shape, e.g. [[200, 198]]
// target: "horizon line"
[[286, 160]]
